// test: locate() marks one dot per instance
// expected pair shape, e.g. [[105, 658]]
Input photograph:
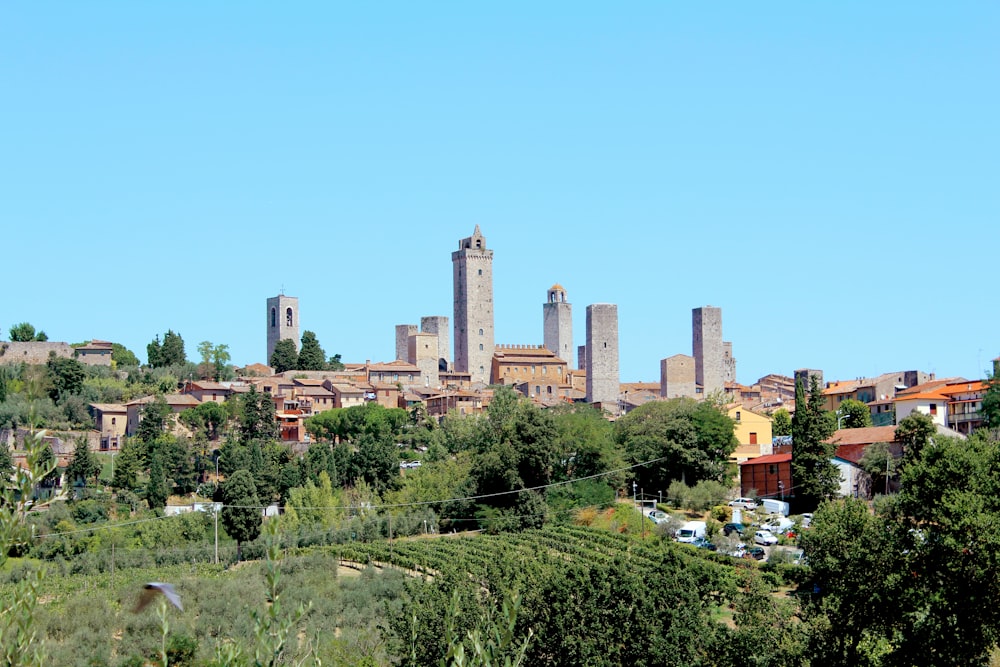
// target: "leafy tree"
[[127, 465], [376, 461], [241, 511], [313, 505], [914, 432], [122, 357], [84, 463], [156, 489], [214, 359], [915, 582], [781, 422], [990, 407], [335, 364], [66, 377], [814, 476], [684, 439], [311, 356], [285, 357], [256, 417], [25, 333], [878, 461], [585, 442], [173, 349], [854, 414], [153, 420], [208, 419], [154, 353]]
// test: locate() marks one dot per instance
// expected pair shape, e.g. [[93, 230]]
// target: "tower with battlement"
[[282, 322], [557, 323], [602, 355], [472, 266]]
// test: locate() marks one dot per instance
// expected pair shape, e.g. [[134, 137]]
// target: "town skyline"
[[825, 176]]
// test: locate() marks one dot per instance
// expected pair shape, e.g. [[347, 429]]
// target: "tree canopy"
[[241, 511], [311, 355], [23, 332], [686, 440], [854, 414], [814, 476], [285, 357]]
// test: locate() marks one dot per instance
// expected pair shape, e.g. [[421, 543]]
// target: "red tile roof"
[[770, 458]]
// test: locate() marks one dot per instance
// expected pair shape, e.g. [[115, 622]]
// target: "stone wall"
[[33, 352]]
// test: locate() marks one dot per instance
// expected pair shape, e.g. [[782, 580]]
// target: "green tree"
[[241, 511], [154, 353], [256, 417], [335, 364], [207, 419], [814, 475], [311, 355], [84, 464], [285, 357], [156, 489], [25, 333], [214, 359], [153, 420], [173, 349], [914, 432], [684, 439], [781, 422], [990, 407], [122, 357], [878, 461], [127, 465], [854, 414], [66, 377]]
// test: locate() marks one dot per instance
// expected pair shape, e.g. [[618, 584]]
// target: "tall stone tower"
[[557, 321], [709, 355], [473, 273], [282, 322], [403, 333], [602, 355], [438, 324]]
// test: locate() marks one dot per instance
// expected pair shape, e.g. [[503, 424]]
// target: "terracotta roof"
[[965, 387], [922, 396], [109, 407], [863, 436], [852, 453], [928, 386], [171, 399], [842, 387], [395, 366], [770, 458], [208, 385]]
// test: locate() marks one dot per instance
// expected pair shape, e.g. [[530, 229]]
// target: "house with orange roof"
[[965, 402], [930, 402]]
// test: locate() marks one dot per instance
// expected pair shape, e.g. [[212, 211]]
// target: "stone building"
[[472, 266], [602, 355], [438, 325], [282, 322], [677, 378], [403, 333], [422, 352], [557, 323], [534, 370], [708, 349]]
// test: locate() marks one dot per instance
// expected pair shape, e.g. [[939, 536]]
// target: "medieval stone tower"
[[438, 324], [602, 355], [472, 265], [282, 322], [709, 352], [557, 321]]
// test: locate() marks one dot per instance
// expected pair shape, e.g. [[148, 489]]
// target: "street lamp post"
[[840, 418]]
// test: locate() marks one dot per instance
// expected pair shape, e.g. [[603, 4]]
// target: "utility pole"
[[215, 507]]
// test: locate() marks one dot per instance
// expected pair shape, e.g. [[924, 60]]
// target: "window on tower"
[[480, 332], [480, 272], [274, 318], [288, 317]]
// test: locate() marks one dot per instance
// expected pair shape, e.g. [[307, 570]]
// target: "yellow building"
[[753, 432]]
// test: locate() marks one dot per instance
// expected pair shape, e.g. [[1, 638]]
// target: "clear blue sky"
[[826, 174]]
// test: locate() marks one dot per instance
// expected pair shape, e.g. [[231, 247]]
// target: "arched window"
[[480, 272], [288, 317], [480, 347], [274, 318], [480, 333]]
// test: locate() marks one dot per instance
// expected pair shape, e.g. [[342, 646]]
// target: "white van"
[[772, 506], [690, 531]]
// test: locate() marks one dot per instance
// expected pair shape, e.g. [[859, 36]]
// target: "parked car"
[[744, 503], [658, 516], [731, 528], [765, 537], [799, 558], [702, 543], [778, 525], [757, 553], [807, 519], [690, 531]]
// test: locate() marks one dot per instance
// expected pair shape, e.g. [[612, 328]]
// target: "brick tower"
[[282, 322], [472, 265], [557, 321]]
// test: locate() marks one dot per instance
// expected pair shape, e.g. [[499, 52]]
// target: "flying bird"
[[154, 588]]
